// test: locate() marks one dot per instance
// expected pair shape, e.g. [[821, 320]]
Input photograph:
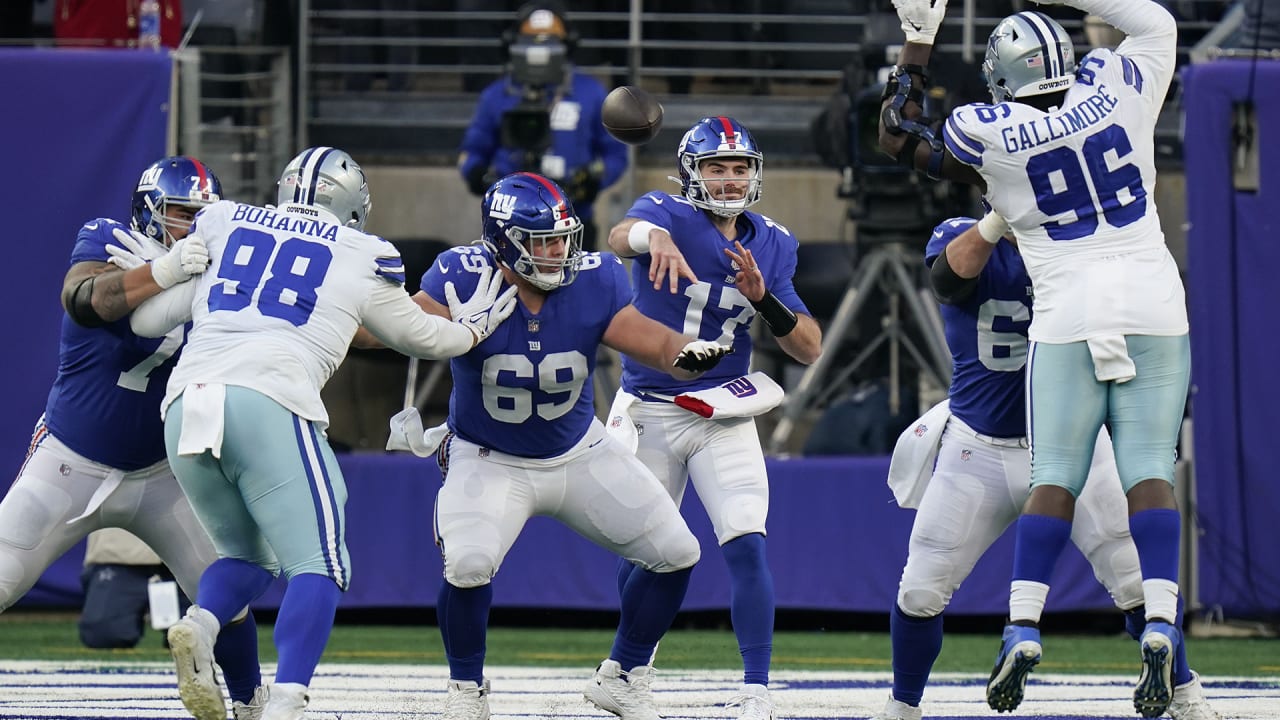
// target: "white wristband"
[[638, 236], [992, 227]]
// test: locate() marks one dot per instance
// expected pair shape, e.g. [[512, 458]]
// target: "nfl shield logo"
[[535, 325], [920, 430], [964, 455]]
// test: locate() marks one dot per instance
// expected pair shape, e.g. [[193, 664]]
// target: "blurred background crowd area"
[[395, 83]]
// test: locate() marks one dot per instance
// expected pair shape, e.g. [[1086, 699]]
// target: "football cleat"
[[467, 701], [1189, 702], [191, 645], [898, 710], [625, 693], [251, 710], [1019, 654], [753, 703], [1154, 691]]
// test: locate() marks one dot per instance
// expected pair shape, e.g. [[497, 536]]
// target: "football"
[[631, 115]]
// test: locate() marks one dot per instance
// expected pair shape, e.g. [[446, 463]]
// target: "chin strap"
[[899, 91]]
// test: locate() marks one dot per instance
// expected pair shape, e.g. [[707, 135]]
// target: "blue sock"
[[751, 605], [1039, 541], [916, 642], [1157, 533], [229, 585], [464, 623], [650, 602], [1181, 668], [237, 654], [625, 568], [303, 626]]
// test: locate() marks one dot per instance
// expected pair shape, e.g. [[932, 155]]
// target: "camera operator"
[[543, 116]]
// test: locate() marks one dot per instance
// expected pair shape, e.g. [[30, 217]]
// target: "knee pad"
[[469, 567], [921, 602], [683, 552]]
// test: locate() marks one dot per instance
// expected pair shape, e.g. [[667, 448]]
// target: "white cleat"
[[897, 710], [191, 642], [286, 701], [624, 693], [753, 703], [251, 710], [1189, 702], [467, 701]]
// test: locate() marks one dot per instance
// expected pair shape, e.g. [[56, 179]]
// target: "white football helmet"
[[1028, 54], [327, 177]]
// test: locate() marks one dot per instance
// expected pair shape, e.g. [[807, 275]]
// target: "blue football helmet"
[[1028, 54], [524, 216], [329, 178], [174, 180], [718, 137]]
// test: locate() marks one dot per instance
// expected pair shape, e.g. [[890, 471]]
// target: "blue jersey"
[[526, 390], [712, 308], [987, 335], [105, 401]]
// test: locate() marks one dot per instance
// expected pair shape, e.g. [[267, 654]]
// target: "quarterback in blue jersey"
[[97, 456], [707, 266], [1065, 154], [524, 440], [966, 466]]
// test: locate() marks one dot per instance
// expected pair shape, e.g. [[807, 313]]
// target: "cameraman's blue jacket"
[[579, 144]]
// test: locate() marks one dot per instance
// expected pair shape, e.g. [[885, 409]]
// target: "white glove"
[[701, 355], [992, 227], [186, 258], [135, 249], [486, 309], [920, 18]]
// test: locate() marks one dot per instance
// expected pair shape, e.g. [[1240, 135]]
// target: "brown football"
[[631, 115]]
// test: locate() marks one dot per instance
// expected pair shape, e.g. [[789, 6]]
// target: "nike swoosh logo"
[[657, 200], [91, 227], [444, 270], [912, 24], [938, 234]]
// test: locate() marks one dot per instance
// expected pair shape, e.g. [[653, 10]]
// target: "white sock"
[[1161, 598], [1026, 600]]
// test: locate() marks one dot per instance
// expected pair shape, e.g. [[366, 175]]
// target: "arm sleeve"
[[395, 319], [164, 312], [948, 287], [1151, 38]]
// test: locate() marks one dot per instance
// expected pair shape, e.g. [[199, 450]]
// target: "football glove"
[[188, 257], [701, 355], [920, 18], [486, 308]]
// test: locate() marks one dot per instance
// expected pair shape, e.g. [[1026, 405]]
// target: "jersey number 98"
[[280, 278]]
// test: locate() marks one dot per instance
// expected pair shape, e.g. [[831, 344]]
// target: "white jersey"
[[1077, 187], [284, 294]]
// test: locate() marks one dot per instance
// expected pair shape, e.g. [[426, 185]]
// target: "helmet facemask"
[[547, 259], [708, 192]]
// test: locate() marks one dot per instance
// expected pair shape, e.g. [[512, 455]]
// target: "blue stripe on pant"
[[276, 496], [1067, 405]]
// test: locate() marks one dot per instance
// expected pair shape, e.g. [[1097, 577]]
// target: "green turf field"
[[38, 636]]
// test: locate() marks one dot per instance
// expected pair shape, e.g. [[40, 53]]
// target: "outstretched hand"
[[487, 307], [920, 18], [749, 280]]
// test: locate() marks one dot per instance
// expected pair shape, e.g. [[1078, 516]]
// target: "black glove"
[[479, 180], [583, 186], [701, 355]]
